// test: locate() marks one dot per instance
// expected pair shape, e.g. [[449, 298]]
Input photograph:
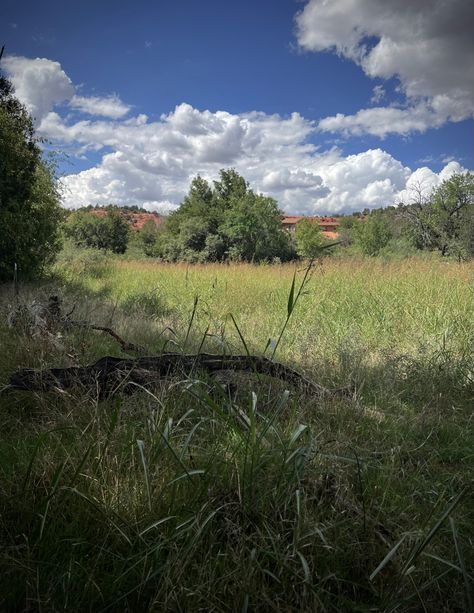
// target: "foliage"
[[226, 222], [29, 200], [310, 240], [445, 221], [373, 234], [149, 237], [107, 232]]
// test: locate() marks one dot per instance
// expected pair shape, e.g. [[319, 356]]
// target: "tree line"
[[228, 221]]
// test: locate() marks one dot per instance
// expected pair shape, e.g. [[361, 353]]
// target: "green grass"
[[162, 501]]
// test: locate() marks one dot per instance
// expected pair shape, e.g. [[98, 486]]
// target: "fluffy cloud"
[[151, 163], [110, 106], [427, 46], [39, 83], [381, 121], [424, 180]]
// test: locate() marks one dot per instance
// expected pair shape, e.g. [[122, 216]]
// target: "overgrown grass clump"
[[240, 494]]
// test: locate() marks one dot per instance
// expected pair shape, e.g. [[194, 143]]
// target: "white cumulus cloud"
[[108, 106], [151, 163], [40, 84], [426, 44]]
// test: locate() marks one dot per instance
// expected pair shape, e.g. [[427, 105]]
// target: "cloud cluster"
[[151, 163], [426, 44], [41, 84]]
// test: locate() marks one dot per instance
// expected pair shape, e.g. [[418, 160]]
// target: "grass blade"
[[431, 534], [387, 558], [467, 582], [141, 447]]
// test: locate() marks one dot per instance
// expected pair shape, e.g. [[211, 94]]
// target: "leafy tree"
[[30, 213], [309, 239], [445, 220], [252, 227], [228, 221], [108, 232], [148, 237], [374, 233]]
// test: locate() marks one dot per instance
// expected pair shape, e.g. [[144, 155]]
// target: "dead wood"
[[110, 373]]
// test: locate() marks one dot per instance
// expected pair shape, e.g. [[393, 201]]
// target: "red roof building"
[[329, 225]]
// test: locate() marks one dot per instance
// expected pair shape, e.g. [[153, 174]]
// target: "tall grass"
[[239, 494]]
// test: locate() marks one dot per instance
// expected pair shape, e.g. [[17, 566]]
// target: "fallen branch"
[[126, 346], [110, 374]]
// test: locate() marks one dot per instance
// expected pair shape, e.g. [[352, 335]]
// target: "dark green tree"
[[149, 239], [108, 232], [228, 221], [30, 213], [252, 229]]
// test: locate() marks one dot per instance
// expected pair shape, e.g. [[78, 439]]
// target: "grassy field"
[[162, 501]]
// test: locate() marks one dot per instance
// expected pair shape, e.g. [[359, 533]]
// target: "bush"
[[30, 213], [109, 232]]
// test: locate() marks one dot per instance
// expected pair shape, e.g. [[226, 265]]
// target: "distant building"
[[329, 225]]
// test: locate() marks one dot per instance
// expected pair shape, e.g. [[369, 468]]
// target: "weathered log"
[[110, 373]]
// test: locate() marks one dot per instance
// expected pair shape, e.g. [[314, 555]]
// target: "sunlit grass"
[[165, 501]]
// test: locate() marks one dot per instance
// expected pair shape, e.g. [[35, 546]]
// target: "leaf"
[[297, 433], [291, 297]]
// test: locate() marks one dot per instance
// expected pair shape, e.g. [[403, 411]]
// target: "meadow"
[[163, 500]]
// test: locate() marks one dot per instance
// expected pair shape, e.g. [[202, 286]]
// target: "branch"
[[110, 374]]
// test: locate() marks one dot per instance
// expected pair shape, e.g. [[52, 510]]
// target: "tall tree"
[[29, 200], [229, 221], [108, 232], [445, 220]]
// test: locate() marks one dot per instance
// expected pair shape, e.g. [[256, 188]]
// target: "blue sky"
[[328, 107]]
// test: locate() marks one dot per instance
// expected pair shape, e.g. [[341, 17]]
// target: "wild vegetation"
[[29, 200], [232, 223], [164, 500], [238, 491]]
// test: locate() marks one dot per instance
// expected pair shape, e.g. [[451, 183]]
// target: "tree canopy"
[[226, 221], [29, 200], [310, 241], [374, 233], [445, 220], [108, 232]]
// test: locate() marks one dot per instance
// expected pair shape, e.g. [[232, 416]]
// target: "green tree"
[[309, 239], [445, 220], [30, 213], [252, 228], [148, 237], [373, 233], [228, 221], [348, 228], [108, 232]]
